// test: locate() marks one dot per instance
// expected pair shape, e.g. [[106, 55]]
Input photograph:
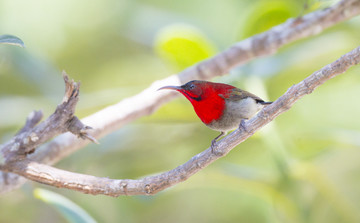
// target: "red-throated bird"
[[221, 107]]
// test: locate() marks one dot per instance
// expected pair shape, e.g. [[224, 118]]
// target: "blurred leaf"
[[312, 5], [71, 211], [11, 40], [267, 14], [183, 45]]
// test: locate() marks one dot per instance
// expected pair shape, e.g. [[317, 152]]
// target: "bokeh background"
[[303, 167]]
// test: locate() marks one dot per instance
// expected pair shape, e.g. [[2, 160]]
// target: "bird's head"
[[193, 90], [205, 98]]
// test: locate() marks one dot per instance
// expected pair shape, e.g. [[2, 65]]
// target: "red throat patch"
[[210, 106], [209, 109]]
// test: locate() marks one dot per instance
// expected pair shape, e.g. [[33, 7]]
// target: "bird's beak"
[[177, 88]]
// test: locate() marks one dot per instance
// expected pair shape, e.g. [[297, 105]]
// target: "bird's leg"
[[213, 142]]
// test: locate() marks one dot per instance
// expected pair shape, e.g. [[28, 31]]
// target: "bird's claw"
[[214, 149], [242, 126], [213, 146]]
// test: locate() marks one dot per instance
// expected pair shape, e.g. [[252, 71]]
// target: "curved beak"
[[176, 88]]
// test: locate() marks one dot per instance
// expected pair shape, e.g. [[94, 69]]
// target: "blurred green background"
[[303, 167]]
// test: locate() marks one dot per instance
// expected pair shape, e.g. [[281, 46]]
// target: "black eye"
[[192, 86]]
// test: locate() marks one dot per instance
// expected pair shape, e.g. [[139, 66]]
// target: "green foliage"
[[11, 40], [312, 5], [72, 212], [266, 14], [183, 45]]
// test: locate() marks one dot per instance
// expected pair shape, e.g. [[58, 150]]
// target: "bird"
[[219, 106]]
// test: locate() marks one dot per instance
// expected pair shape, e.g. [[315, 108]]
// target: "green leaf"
[[312, 5], [267, 14], [11, 40], [71, 211], [183, 45]]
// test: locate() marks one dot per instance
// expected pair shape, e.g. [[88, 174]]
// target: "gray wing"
[[238, 94]]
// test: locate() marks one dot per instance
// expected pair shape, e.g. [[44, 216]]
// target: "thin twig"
[[33, 119]]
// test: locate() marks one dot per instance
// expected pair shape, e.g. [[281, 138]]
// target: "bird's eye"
[[191, 86]]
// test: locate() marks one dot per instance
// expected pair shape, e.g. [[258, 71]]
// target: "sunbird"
[[220, 107]]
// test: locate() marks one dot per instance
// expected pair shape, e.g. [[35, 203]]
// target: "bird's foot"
[[213, 146], [242, 126], [214, 149]]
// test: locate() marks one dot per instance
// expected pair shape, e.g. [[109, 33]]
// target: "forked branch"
[[33, 134]]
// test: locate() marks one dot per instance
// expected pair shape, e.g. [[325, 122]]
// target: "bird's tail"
[[265, 102]]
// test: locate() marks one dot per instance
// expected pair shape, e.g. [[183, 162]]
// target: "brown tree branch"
[[151, 185], [146, 102]]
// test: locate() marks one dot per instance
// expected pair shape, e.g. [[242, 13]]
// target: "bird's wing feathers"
[[236, 94]]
